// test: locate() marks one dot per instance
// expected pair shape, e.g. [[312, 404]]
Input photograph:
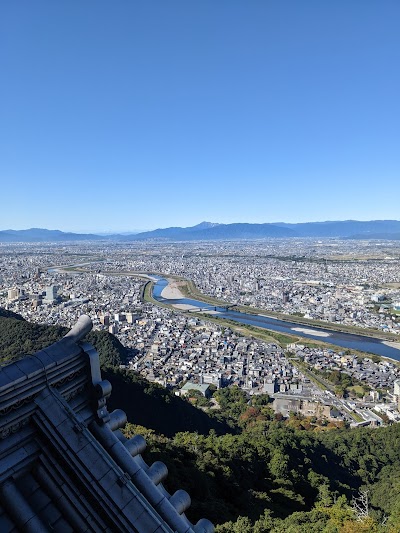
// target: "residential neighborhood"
[[55, 284]]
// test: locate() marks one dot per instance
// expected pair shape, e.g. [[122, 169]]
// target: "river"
[[338, 338]]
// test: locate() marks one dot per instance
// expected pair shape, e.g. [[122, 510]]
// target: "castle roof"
[[64, 463]]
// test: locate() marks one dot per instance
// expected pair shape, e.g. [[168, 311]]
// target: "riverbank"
[[190, 290], [292, 331], [172, 290]]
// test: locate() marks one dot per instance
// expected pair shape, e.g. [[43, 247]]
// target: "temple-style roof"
[[64, 464]]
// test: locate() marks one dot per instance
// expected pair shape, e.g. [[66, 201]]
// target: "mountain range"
[[210, 231]]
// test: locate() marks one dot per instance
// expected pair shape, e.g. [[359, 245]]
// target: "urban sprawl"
[[350, 283]]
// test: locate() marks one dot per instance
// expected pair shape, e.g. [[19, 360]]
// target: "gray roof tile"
[[68, 477]]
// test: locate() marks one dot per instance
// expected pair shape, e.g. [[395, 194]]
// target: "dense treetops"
[[5, 313], [19, 337], [246, 469]]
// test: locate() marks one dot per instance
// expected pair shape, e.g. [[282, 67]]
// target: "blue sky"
[[135, 115]]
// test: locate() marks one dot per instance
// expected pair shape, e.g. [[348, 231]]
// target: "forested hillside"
[[245, 469], [18, 337]]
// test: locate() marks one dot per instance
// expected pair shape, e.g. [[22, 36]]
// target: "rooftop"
[[64, 463]]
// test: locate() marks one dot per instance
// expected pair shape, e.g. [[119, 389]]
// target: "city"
[[200, 267], [339, 282]]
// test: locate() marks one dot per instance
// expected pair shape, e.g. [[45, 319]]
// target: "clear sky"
[[121, 115]]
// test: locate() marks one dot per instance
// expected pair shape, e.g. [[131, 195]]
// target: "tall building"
[[113, 329], [285, 297], [12, 294], [396, 392], [105, 320], [51, 293]]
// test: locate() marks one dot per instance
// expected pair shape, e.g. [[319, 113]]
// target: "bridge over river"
[[338, 338]]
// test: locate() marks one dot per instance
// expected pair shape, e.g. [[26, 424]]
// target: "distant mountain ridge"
[[44, 235], [211, 231], [345, 228]]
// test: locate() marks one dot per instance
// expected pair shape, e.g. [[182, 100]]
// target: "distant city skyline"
[[143, 116]]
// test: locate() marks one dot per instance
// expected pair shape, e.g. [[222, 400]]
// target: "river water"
[[344, 340]]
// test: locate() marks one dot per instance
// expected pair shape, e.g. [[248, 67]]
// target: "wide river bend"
[[338, 338]]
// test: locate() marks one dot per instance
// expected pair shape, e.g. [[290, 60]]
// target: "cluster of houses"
[[183, 352]]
